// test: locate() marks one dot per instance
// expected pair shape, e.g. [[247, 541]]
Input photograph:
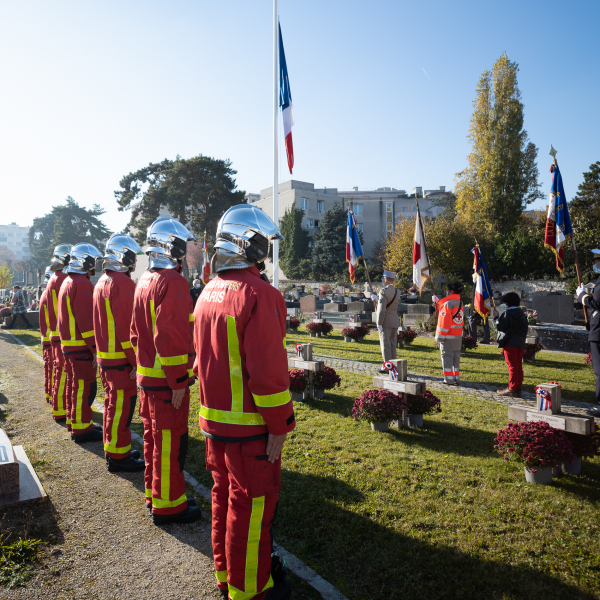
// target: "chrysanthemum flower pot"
[[298, 397], [347, 339], [573, 467], [320, 394], [542, 476], [379, 425], [415, 421]]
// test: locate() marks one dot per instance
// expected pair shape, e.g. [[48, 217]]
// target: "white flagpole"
[[275, 148]]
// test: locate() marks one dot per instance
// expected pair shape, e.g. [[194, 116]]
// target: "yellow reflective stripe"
[[235, 367], [273, 399], [148, 493], [221, 576], [114, 430], [73, 342], [47, 317], [254, 531], [151, 372], [60, 401], [45, 338], [71, 319], [230, 417], [87, 334], [284, 341], [55, 304], [236, 594], [191, 317], [159, 503], [153, 315], [111, 355], [125, 345], [165, 465], [173, 360], [111, 326]]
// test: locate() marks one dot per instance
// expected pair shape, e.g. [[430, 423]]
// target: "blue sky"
[[382, 91]]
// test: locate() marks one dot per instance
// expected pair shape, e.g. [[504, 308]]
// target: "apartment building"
[[16, 239]]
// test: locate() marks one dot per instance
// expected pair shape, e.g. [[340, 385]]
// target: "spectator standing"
[[195, 291], [512, 331], [19, 308]]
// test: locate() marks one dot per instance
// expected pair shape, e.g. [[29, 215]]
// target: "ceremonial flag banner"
[[421, 269], [353, 247], [558, 223], [205, 263], [483, 289], [285, 101]]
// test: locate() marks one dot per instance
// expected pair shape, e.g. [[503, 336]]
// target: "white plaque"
[[300, 364], [555, 422]]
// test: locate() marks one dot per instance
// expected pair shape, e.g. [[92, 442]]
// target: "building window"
[[359, 227], [304, 203], [316, 222], [310, 243], [358, 210], [321, 206], [309, 222], [389, 218]]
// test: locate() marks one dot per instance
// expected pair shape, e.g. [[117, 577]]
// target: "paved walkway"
[[481, 391]]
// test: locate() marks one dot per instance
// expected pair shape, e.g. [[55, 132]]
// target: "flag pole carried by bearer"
[[205, 262], [354, 250], [421, 264], [483, 289], [558, 222]]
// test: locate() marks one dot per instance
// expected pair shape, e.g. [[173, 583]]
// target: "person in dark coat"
[[476, 319], [591, 303], [196, 290], [19, 308], [512, 331]]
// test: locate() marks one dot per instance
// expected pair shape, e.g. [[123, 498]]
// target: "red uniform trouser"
[[120, 394], [59, 384], [82, 387], [165, 448], [48, 370], [514, 359], [244, 496]]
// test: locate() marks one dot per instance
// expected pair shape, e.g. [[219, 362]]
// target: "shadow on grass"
[[365, 559]]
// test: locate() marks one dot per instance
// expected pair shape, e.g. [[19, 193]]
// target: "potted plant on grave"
[[587, 362], [294, 324], [537, 446], [298, 383], [468, 343], [584, 446], [531, 350], [350, 334], [326, 379], [419, 405], [363, 330], [378, 407], [407, 337], [5, 315], [532, 317], [326, 328], [314, 329]]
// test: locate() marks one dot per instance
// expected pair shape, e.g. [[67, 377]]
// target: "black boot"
[[191, 502], [88, 436], [124, 464], [135, 454], [282, 590], [189, 515], [278, 567], [98, 427]]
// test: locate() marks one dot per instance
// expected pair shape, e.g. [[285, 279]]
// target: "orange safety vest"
[[451, 316]]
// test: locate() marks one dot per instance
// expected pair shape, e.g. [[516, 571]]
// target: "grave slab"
[[574, 423], [407, 387], [31, 490], [9, 467], [554, 309]]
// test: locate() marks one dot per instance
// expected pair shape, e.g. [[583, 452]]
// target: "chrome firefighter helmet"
[[120, 253], [166, 243], [83, 258], [60, 257], [248, 231], [47, 275]]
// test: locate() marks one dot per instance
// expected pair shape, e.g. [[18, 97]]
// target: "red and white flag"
[[421, 270], [205, 263]]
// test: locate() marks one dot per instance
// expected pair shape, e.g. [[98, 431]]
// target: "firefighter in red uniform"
[[45, 335], [59, 261], [113, 308], [161, 334], [246, 409], [76, 327]]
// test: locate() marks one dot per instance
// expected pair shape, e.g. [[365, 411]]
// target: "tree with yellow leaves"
[[502, 176], [6, 276]]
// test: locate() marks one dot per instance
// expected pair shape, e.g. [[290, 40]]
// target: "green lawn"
[[485, 364], [434, 513]]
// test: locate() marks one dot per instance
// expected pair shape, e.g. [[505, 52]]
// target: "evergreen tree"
[[587, 200], [294, 247], [502, 176], [329, 252]]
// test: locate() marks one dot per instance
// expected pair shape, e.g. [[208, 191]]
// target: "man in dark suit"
[[196, 290], [591, 303]]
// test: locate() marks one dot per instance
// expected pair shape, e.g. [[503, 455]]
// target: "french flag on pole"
[[483, 289], [353, 247], [205, 263], [285, 101]]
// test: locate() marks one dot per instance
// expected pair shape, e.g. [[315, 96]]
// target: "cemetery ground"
[[432, 513]]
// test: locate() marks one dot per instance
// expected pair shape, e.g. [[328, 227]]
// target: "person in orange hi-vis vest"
[[76, 328], [451, 318], [246, 410], [113, 310], [59, 261], [161, 334], [45, 335]]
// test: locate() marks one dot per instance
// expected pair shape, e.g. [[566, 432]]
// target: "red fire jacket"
[[113, 309], [44, 319], [76, 314], [241, 362], [52, 290], [162, 331]]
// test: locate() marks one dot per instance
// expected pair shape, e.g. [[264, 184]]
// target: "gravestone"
[[554, 309], [362, 306], [417, 313], [308, 304]]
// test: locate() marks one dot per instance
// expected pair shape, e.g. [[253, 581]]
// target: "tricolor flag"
[[545, 399], [391, 369], [285, 101], [421, 268], [558, 223], [483, 289], [205, 263], [353, 247]]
